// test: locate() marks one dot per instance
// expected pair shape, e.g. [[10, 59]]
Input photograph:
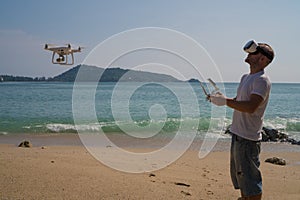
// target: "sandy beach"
[[59, 167]]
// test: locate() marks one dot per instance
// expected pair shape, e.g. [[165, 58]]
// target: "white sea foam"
[[283, 124], [69, 127]]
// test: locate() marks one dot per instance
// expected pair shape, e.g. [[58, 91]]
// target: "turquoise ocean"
[[46, 107]]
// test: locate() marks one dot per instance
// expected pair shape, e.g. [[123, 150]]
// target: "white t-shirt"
[[249, 125]]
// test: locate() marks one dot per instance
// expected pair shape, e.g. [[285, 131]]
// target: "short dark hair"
[[266, 50]]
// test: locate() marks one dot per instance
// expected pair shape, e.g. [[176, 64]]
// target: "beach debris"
[[43, 147], [209, 192], [25, 144], [186, 193], [182, 184], [152, 175], [276, 161], [52, 161]]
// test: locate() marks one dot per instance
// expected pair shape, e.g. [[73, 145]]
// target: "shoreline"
[[73, 139]]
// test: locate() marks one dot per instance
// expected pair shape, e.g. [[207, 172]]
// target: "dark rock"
[[25, 144], [296, 142], [283, 136], [265, 137], [276, 161], [272, 135], [227, 131]]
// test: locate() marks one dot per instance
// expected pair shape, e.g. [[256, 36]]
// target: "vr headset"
[[253, 48]]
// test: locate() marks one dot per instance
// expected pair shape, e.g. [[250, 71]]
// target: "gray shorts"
[[244, 165]]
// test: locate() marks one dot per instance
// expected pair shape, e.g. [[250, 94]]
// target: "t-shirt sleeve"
[[261, 87]]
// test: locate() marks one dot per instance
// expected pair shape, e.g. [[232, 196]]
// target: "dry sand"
[[70, 172]]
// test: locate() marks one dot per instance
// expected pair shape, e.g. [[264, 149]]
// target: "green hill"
[[92, 73]]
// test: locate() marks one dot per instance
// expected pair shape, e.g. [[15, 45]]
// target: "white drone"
[[63, 53]]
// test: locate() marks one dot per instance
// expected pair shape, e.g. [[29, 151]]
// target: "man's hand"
[[218, 99]]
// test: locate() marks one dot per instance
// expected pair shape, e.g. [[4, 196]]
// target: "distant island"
[[92, 73]]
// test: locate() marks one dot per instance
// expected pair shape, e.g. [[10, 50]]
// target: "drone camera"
[[60, 59]]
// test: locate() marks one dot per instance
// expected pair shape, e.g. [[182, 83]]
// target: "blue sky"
[[221, 27]]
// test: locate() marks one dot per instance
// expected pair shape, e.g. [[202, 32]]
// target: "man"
[[249, 106]]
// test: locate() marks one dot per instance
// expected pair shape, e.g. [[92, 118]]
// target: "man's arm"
[[245, 106], [242, 106]]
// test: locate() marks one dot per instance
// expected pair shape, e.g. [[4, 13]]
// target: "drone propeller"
[[50, 45], [47, 45], [56, 45], [80, 48]]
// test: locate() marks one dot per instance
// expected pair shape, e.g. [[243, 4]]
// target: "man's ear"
[[264, 60]]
